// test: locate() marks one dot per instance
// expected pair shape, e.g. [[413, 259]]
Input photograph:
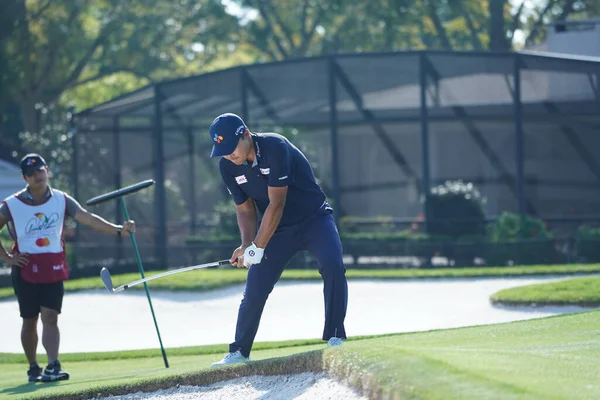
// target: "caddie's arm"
[[272, 216], [19, 260], [246, 219], [99, 224]]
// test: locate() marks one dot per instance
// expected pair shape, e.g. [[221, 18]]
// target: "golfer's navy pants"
[[320, 237]]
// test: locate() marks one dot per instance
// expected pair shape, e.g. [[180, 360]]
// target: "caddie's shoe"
[[231, 358], [335, 342], [54, 373], [34, 373]]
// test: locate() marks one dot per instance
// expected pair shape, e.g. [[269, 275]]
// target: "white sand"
[[294, 310], [306, 386]]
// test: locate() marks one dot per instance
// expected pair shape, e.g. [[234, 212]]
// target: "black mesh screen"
[[560, 119], [471, 120]]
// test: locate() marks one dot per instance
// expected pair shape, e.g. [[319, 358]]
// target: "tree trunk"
[[439, 27], [30, 116], [498, 40]]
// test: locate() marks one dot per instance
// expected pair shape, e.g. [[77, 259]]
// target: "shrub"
[[226, 219], [511, 226], [587, 244], [520, 239], [455, 209]]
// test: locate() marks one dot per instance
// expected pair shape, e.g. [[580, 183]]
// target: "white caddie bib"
[[39, 228]]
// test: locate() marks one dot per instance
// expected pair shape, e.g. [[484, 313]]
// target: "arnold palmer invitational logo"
[[41, 223]]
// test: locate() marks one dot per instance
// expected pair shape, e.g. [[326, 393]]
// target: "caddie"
[[35, 217]]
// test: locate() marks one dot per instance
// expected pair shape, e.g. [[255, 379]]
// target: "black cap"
[[32, 162]]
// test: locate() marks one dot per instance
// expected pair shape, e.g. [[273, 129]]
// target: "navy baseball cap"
[[226, 131], [32, 162]]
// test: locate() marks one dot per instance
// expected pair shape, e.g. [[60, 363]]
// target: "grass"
[[209, 279], [554, 357], [577, 291]]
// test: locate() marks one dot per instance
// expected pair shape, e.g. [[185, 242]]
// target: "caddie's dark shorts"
[[32, 296]]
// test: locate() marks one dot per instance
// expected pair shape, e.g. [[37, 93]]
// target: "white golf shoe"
[[231, 358], [335, 342]]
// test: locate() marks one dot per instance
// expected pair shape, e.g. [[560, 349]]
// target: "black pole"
[[192, 177], [333, 121], [117, 181], [597, 91], [244, 94], [159, 177], [74, 163], [519, 139], [425, 173]]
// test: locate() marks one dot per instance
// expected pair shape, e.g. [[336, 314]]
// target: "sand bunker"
[[305, 386]]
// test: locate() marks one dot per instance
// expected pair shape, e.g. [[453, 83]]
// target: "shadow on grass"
[[28, 387]]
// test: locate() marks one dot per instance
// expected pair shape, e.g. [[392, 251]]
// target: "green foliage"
[[512, 227], [455, 210], [81, 41], [359, 236], [281, 29], [511, 240], [53, 142], [587, 244], [520, 239], [384, 237], [225, 217], [381, 224], [81, 53], [223, 235], [5, 239]]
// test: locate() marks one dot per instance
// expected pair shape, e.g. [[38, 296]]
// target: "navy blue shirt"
[[277, 163]]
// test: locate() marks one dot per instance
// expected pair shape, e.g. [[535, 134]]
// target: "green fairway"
[[576, 291], [218, 278], [554, 358], [548, 358]]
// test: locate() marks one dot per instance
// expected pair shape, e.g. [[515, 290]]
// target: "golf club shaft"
[[175, 271]]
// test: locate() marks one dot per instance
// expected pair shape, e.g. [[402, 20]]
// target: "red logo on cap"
[[217, 139]]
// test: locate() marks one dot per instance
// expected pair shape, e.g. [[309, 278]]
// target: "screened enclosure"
[[380, 130]]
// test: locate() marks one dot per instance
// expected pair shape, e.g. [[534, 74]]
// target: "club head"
[[105, 275]]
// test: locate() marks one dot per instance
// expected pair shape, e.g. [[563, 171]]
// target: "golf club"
[[106, 278]]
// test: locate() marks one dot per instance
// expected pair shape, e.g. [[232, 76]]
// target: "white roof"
[[11, 179]]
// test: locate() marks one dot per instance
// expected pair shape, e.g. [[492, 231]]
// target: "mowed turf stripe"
[[554, 358], [547, 358]]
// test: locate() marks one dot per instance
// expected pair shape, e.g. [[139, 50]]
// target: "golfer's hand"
[[237, 258], [252, 255], [128, 227], [18, 260]]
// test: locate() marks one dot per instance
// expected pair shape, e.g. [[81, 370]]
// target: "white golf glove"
[[253, 255]]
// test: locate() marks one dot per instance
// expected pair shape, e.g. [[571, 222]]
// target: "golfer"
[[265, 171]]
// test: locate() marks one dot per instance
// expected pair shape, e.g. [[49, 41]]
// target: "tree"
[[58, 46], [297, 28], [493, 26], [278, 29]]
